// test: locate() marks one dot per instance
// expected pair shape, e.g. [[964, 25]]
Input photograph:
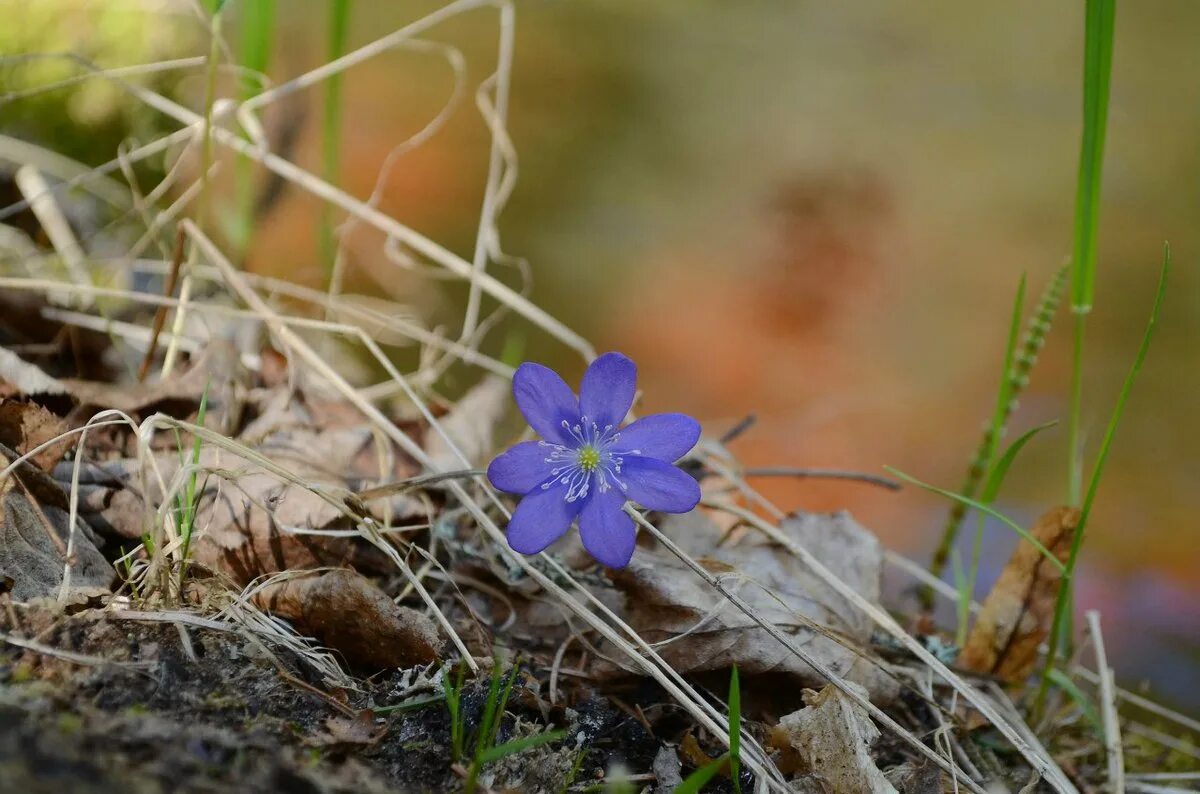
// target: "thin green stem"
[[331, 127], [1017, 378], [1074, 442], [210, 96], [1059, 629], [187, 513], [1097, 73], [257, 24]]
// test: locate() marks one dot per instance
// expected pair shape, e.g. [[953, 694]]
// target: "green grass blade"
[[257, 22], [1097, 72], [735, 729], [1064, 603], [453, 692], [331, 123], [1060, 680], [576, 765], [1017, 371], [187, 513], [486, 722], [699, 779], [502, 704], [995, 430], [1004, 393], [413, 705], [991, 488], [996, 514], [519, 745], [965, 594]]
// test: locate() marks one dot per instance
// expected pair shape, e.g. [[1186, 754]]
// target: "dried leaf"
[[362, 729], [916, 777], [27, 425], [470, 424], [250, 523], [1017, 614], [346, 612], [24, 378], [833, 737], [35, 535], [666, 601], [178, 395]]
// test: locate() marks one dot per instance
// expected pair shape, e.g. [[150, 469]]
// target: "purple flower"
[[586, 466]]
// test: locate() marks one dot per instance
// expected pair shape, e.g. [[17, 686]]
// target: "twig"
[[328, 698], [70, 656], [1108, 705], [35, 190], [823, 474], [741, 427], [392, 488], [160, 316]]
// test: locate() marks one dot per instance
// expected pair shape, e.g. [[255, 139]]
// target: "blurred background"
[[814, 212]]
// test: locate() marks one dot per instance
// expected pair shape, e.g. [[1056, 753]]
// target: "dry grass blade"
[[947, 591], [69, 656], [1033, 754], [50, 216], [1108, 708], [651, 663], [855, 694], [373, 217]]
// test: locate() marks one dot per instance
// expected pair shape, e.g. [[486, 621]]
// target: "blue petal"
[[606, 393], [663, 436], [541, 518], [520, 469], [545, 402], [658, 485], [607, 532]]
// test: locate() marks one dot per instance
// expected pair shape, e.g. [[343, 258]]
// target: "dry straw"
[[293, 332]]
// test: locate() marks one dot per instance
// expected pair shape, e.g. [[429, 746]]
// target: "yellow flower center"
[[589, 458]]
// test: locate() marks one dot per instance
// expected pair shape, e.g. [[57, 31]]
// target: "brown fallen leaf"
[[470, 425], [666, 601], [361, 729], [347, 613], [250, 523], [179, 395], [27, 425], [832, 737], [916, 777], [1017, 614], [35, 536]]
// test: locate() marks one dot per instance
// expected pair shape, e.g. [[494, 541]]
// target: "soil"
[[142, 715]]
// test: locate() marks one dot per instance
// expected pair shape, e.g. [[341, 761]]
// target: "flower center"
[[588, 461], [589, 458]]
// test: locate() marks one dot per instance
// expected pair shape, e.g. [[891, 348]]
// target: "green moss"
[[69, 723]]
